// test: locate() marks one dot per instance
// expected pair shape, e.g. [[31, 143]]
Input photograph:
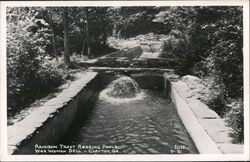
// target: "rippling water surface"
[[147, 126]]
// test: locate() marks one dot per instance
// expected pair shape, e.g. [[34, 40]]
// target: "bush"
[[27, 82], [215, 91], [235, 117], [174, 47], [49, 76], [29, 75]]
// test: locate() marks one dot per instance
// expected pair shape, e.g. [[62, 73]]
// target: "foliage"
[[206, 41], [132, 21], [235, 117], [181, 21], [223, 58], [175, 47], [212, 47], [177, 18], [89, 28], [27, 74], [215, 90], [225, 36]]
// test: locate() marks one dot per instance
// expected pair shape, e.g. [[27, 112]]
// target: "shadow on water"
[[82, 117]]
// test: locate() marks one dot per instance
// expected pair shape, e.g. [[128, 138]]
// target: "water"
[[148, 125], [123, 87]]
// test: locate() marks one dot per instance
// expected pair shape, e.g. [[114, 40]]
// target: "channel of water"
[[147, 125]]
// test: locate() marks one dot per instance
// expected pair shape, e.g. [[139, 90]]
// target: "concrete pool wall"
[[209, 131], [49, 122], [46, 124]]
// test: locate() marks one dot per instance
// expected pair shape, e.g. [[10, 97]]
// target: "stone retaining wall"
[[49, 122]]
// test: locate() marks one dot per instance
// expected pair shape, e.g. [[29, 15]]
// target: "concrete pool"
[[149, 124]]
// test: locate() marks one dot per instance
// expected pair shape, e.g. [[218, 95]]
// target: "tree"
[[88, 43], [212, 45], [89, 28], [50, 20], [28, 73], [66, 36], [132, 21]]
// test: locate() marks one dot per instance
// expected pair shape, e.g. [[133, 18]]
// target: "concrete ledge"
[[208, 130], [203, 142], [120, 58], [131, 70], [157, 62], [128, 53], [47, 123]]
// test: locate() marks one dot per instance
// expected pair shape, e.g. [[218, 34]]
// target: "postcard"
[[124, 80]]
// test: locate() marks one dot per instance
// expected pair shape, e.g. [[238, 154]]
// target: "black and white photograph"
[[118, 79]]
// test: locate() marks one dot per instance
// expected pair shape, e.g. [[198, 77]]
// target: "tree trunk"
[[118, 34], [104, 38], [54, 36], [54, 45], [114, 30], [85, 32], [83, 46], [66, 36], [87, 35]]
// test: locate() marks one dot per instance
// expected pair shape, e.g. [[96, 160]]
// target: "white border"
[[201, 157]]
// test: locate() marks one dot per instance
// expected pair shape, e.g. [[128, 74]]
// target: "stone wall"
[[49, 122]]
